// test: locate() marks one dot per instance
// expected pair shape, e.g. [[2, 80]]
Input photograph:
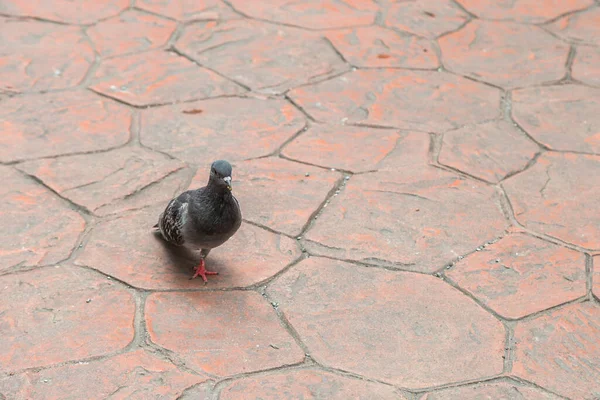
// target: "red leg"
[[201, 271]]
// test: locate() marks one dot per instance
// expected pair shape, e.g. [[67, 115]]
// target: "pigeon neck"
[[218, 189]]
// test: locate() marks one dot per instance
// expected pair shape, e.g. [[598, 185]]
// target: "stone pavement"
[[420, 182]]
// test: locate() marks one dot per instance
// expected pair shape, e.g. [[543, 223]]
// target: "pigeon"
[[204, 218]]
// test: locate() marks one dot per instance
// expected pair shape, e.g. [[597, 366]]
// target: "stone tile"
[[506, 54], [307, 384], [489, 151], [527, 11], [38, 56], [113, 181], [358, 149], [582, 27], [229, 128], [420, 100], [292, 196], [135, 375], [130, 32], [311, 14], [37, 227], [221, 333], [560, 351], [410, 330], [159, 77], [562, 117], [549, 196], [521, 275], [198, 392], [596, 276], [60, 123], [280, 58], [492, 390], [418, 218], [66, 11], [586, 66], [128, 249], [46, 318], [188, 10], [375, 46], [424, 17]]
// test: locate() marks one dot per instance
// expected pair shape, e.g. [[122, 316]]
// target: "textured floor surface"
[[420, 184]]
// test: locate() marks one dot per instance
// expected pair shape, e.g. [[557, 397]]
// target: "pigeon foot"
[[201, 271]]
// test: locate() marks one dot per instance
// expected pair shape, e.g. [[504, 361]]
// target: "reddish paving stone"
[[135, 375], [188, 10], [198, 392], [358, 149], [489, 151], [505, 53], [159, 77], [563, 117], [37, 56], [99, 181], [128, 249], [312, 14], [292, 196], [375, 46], [579, 27], [229, 128], [561, 351], [411, 330], [550, 196], [421, 100], [46, 318], [418, 217], [425, 18], [307, 384], [586, 66], [37, 228], [130, 32], [596, 276], [222, 333], [492, 391], [60, 123], [267, 58], [521, 275], [67, 11], [527, 11]]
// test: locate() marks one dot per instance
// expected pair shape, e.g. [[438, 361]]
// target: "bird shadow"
[[181, 258]]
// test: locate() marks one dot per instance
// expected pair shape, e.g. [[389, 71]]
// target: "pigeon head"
[[220, 174]]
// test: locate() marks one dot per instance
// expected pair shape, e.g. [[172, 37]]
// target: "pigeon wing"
[[171, 221]]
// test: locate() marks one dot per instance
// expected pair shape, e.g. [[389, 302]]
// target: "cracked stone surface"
[[136, 375], [46, 318], [130, 32], [555, 190], [281, 58], [506, 54], [38, 228], [31, 59], [560, 117], [418, 181], [60, 123], [113, 181], [159, 77], [414, 218], [520, 275], [259, 127], [489, 151], [560, 350], [384, 338], [127, 249], [527, 11], [309, 384], [420, 100], [221, 333]]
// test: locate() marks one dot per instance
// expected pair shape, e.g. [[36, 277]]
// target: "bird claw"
[[202, 272]]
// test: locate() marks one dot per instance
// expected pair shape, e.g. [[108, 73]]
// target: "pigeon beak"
[[227, 180]]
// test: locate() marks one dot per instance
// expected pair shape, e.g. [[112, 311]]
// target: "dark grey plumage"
[[204, 218]]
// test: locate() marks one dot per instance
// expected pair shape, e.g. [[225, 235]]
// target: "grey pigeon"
[[204, 218]]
